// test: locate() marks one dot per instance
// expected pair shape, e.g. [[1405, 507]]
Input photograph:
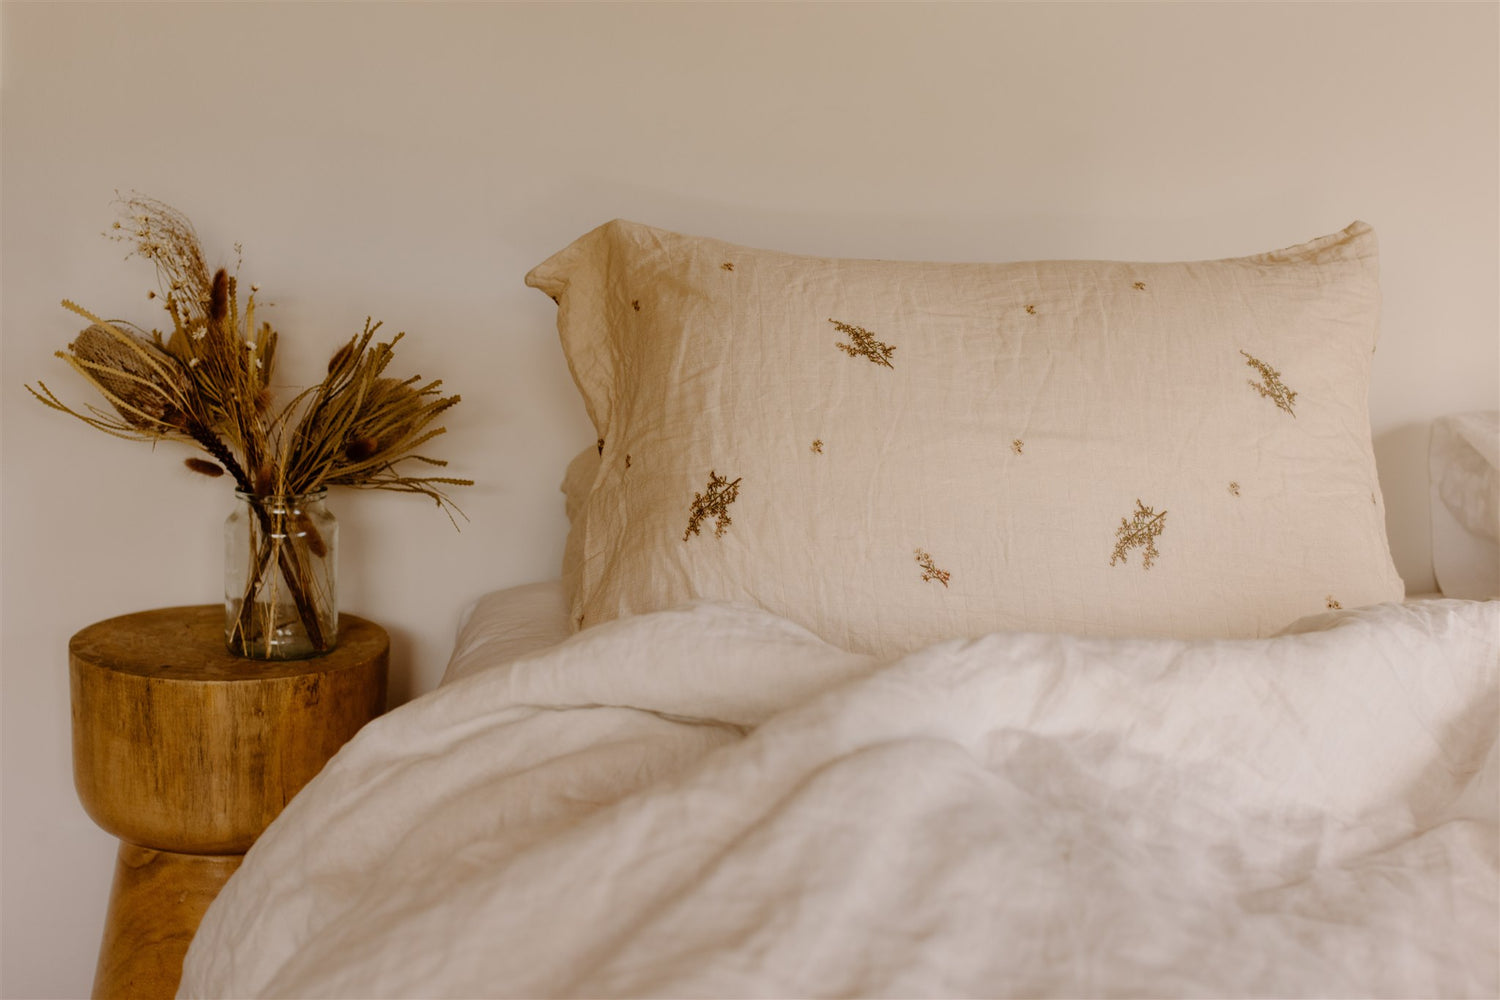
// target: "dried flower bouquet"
[[209, 383]]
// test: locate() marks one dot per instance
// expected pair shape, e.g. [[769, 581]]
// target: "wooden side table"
[[186, 753]]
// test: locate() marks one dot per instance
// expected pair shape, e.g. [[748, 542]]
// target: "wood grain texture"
[[178, 745], [186, 753], [155, 906]]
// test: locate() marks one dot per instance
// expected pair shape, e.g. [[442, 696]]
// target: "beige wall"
[[412, 161]]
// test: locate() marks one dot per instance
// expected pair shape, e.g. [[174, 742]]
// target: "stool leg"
[[155, 905]]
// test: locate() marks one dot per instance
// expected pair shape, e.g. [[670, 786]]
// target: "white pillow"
[[505, 625], [1464, 463], [894, 453]]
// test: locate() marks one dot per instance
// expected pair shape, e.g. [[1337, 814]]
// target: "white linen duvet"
[[712, 802]]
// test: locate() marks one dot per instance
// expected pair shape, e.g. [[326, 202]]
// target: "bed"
[[927, 630]]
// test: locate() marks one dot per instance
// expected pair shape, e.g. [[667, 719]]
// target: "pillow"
[[505, 625], [895, 453], [1464, 465], [578, 482]]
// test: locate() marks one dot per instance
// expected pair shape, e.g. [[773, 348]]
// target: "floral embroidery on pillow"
[[1234, 489], [817, 446], [1139, 532], [930, 570], [1270, 385], [863, 344], [1333, 605], [1030, 310], [727, 266], [1018, 446], [720, 493], [1139, 286]]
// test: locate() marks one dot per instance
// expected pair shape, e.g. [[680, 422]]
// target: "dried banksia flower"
[[203, 467], [390, 411], [139, 379]]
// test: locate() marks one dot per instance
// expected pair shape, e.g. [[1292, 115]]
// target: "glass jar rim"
[[311, 496]]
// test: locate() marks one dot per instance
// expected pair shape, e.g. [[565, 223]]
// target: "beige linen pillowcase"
[[578, 482], [895, 453]]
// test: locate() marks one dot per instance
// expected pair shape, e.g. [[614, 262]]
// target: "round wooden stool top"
[[179, 745]]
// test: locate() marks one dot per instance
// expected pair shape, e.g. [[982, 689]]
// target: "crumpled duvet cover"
[[712, 802]]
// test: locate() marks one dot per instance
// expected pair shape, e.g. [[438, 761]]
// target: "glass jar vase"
[[280, 577]]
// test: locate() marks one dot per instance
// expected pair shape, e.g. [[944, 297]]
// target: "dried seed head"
[[218, 300], [340, 357], [204, 467], [308, 532], [361, 448], [264, 481]]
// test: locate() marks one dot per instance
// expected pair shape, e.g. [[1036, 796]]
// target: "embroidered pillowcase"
[[578, 480], [897, 453]]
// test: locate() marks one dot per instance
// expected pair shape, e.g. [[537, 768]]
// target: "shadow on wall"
[[400, 684], [1401, 460]]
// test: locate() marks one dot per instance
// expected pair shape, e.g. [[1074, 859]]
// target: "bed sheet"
[[711, 801], [513, 622]]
